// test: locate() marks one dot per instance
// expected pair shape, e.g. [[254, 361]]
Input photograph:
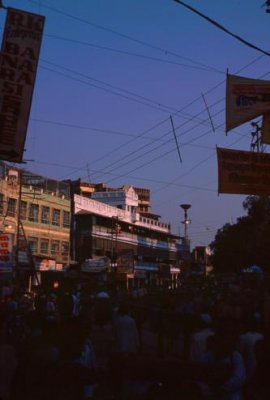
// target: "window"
[[33, 244], [45, 215], [56, 217], [65, 248], [23, 210], [11, 210], [66, 219], [33, 212], [55, 247], [44, 246]]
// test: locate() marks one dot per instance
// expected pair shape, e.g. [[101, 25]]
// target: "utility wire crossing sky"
[[134, 93]]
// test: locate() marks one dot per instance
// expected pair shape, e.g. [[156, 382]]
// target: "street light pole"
[[186, 221], [115, 230]]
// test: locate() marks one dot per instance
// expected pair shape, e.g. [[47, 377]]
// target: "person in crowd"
[[6, 290], [258, 386], [8, 366], [65, 306], [11, 312], [225, 373], [198, 340], [127, 337], [78, 375], [51, 311], [126, 348], [40, 304], [247, 341], [39, 358], [76, 303]]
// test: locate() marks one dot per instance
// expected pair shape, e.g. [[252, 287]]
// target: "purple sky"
[[111, 74]]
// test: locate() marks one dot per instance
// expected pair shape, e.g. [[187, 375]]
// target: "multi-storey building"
[[140, 246], [63, 221], [35, 214]]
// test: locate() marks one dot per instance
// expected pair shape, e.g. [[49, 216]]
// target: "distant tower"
[[186, 221]]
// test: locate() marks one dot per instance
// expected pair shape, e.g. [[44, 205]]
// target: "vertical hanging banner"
[[243, 172], [18, 65], [265, 136], [246, 99], [6, 262]]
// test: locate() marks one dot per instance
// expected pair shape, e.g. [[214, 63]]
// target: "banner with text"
[[245, 99], [18, 64], [265, 136], [6, 255], [243, 172]]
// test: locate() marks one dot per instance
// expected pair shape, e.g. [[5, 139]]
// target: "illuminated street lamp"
[[186, 221]]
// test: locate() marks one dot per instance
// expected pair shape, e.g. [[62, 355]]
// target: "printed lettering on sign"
[[18, 65]]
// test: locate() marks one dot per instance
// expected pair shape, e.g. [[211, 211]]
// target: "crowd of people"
[[211, 342]]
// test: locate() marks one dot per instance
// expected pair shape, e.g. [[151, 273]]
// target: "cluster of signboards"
[[245, 172]]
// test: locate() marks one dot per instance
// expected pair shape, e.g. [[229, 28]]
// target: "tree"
[[246, 242]]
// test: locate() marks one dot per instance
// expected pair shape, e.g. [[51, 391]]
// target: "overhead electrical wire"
[[219, 26], [138, 177], [170, 140], [252, 62], [126, 97], [143, 164], [143, 147], [114, 32], [267, 54], [195, 167], [159, 105], [90, 128], [167, 119], [128, 53]]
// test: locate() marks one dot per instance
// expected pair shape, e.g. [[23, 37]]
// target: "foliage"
[[246, 242]]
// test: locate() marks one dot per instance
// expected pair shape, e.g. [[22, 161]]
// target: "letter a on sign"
[[246, 99], [18, 64]]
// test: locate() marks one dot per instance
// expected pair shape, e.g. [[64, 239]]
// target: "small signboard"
[[6, 256], [96, 265]]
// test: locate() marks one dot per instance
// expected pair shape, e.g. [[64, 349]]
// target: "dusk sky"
[[113, 76]]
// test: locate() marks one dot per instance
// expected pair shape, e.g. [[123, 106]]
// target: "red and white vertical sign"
[[5, 252], [18, 64]]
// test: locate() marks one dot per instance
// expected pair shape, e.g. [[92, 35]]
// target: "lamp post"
[[116, 228], [186, 221]]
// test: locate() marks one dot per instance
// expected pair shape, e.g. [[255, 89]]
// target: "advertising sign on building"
[[265, 136], [243, 172], [12, 178], [125, 262], [96, 265], [18, 64], [246, 99], [5, 252]]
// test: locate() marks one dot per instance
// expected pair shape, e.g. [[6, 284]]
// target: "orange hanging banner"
[[243, 172], [246, 99]]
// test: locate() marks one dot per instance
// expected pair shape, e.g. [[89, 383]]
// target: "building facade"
[[138, 246], [62, 222], [35, 215]]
